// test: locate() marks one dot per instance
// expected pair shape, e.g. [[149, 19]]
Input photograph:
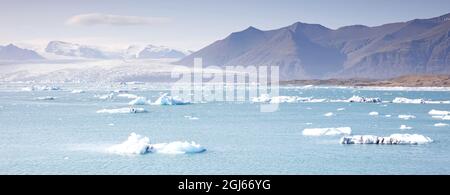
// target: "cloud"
[[92, 19]]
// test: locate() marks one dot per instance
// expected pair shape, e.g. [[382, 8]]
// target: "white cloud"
[[116, 20]]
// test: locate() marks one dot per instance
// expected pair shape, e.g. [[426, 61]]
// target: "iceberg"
[[139, 101], [127, 95], [373, 113], [45, 88], [122, 110], [137, 144], [165, 99], [392, 139], [46, 98], [105, 97], [363, 99], [328, 114], [340, 109], [438, 112], [265, 98], [441, 125], [406, 117], [77, 91], [402, 100], [404, 127], [327, 131]]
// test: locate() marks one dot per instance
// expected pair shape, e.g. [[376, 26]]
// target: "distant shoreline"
[[403, 81]]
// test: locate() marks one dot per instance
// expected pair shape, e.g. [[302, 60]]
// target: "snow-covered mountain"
[[153, 52], [12, 52], [74, 50]]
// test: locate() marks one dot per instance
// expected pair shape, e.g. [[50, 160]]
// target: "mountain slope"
[[74, 50], [305, 51], [12, 52]]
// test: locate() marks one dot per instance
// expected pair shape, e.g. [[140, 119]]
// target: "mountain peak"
[[12, 52]]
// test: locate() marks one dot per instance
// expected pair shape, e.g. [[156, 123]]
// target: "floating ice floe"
[[404, 127], [441, 125], [392, 139], [363, 99], [127, 95], [137, 144], [41, 88], [165, 99], [328, 114], [77, 91], [327, 131], [388, 115], [105, 96], [340, 109], [46, 98], [139, 101], [438, 112], [265, 98], [122, 110], [406, 117], [191, 117], [373, 113], [358, 99], [402, 100]]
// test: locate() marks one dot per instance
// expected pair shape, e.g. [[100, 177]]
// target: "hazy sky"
[[188, 24]]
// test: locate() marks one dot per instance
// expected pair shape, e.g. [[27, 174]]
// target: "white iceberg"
[[46, 98], [392, 139], [438, 112], [402, 100], [105, 96], [328, 114], [137, 144], [327, 131], [406, 117], [363, 99], [122, 110], [373, 113], [165, 99], [191, 117], [265, 98], [441, 125], [127, 95], [77, 91], [139, 101], [340, 109], [404, 127]]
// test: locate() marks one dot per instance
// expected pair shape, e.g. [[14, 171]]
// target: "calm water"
[[67, 136]]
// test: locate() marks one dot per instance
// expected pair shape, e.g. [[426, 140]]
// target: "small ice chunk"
[[328, 114], [137, 144], [404, 127], [327, 131], [122, 110], [46, 98], [441, 125], [127, 95], [139, 101], [388, 115], [105, 96], [191, 117], [77, 91], [373, 113], [402, 100], [340, 109], [165, 99], [392, 139], [438, 112], [406, 117]]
